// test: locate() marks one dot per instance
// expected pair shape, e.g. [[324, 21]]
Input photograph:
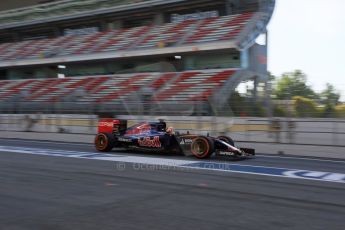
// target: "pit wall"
[[308, 131]]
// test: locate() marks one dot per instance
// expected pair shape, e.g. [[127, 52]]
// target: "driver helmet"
[[170, 130]]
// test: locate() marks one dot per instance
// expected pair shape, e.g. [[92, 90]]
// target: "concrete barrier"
[[330, 132]]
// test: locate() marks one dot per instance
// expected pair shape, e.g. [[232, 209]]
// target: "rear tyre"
[[227, 140], [202, 147], [104, 142]]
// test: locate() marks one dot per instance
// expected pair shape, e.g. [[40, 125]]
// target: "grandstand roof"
[[217, 33], [57, 10], [70, 9]]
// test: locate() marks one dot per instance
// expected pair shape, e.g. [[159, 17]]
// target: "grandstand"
[[145, 37], [101, 55]]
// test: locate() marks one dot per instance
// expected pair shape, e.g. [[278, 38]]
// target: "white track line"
[[45, 141], [301, 158], [258, 155], [140, 161]]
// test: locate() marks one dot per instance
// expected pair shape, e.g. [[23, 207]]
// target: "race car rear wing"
[[114, 126]]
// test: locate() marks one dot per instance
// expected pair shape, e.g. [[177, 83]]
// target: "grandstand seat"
[[120, 87], [162, 80], [10, 89], [144, 37], [185, 86], [221, 28], [168, 34], [193, 86]]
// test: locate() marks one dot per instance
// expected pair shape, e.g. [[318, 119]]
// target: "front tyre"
[[202, 147], [104, 142]]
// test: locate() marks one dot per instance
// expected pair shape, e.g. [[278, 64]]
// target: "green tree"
[[305, 107], [340, 111], [293, 84], [329, 96], [242, 106]]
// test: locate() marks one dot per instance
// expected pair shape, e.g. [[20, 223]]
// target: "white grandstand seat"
[[144, 37], [221, 28], [119, 87], [10, 89], [194, 86], [122, 39], [186, 86], [168, 34]]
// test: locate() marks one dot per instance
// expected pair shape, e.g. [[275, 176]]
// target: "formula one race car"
[[155, 136]]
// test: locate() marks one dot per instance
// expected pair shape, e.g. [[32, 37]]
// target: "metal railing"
[[124, 107]]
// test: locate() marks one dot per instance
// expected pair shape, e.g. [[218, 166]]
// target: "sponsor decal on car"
[[107, 124], [147, 142], [222, 153], [186, 141], [124, 139]]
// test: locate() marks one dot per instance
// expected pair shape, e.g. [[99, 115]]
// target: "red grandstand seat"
[[50, 87], [158, 83], [215, 81], [90, 42], [185, 86], [40, 84], [13, 88], [211, 29], [3, 83], [203, 96], [178, 86], [95, 83], [121, 88]]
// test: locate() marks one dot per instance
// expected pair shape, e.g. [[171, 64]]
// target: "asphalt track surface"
[[50, 192]]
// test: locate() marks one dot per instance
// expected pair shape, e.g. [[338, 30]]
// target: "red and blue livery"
[[156, 136]]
